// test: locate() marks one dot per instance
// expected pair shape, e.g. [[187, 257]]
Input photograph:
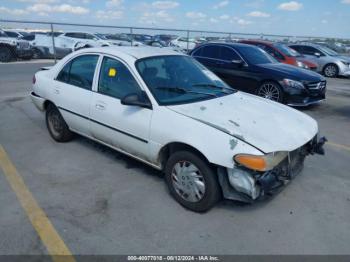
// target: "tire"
[[202, 179], [37, 54], [270, 90], [331, 70], [6, 54], [56, 125]]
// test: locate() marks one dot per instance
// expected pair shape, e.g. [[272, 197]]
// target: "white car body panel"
[[242, 114], [258, 126]]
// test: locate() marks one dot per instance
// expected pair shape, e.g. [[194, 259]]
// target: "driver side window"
[[116, 79]]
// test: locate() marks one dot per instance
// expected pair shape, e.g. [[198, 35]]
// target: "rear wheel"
[[56, 125], [191, 181], [6, 54], [270, 90], [331, 70]]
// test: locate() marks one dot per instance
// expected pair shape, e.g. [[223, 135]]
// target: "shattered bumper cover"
[[272, 181]]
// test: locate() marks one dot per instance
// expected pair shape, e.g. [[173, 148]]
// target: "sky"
[[330, 18]]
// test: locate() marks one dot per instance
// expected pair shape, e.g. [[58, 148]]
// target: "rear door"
[[122, 126], [72, 91]]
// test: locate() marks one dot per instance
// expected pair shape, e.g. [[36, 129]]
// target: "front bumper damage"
[[242, 184]]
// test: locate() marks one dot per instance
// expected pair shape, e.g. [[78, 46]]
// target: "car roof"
[[134, 52], [226, 44], [257, 41]]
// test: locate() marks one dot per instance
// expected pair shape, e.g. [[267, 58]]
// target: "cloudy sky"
[[300, 17]]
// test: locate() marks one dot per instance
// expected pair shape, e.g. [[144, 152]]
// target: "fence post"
[[131, 36], [188, 39], [53, 43]]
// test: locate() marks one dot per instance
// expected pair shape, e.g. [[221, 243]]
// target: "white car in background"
[[78, 40], [185, 43], [170, 112]]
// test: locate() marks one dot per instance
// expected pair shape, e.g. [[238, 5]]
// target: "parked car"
[[142, 38], [42, 46], [16, 33], [330, 63], [283, 53], [78, 40], [165, 38], [251, 69], [162, 44], [12, 48], [162, 108], [122, 40], [185, 43]]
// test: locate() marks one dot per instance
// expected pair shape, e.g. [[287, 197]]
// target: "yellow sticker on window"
[[112, 72]]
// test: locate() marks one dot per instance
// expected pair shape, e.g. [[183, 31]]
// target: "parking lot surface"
[[101, 202]]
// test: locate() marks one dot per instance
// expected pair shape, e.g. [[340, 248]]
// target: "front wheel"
[[271, 91], [56, 125], [191, 181], [331, 70]]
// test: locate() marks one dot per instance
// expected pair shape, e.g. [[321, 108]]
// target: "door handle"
[[100, 106]]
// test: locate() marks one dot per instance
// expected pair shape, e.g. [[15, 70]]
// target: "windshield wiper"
[[215, 86], [180, 90]]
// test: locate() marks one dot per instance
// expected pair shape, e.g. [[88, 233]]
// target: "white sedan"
[[167, 110]]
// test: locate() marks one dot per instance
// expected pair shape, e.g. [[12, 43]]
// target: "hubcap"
[[330, 70], [55, 124], [188, 181], [269, 91]]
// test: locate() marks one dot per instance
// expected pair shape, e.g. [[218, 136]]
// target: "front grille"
[[292, 165], [23, 45], [316, 85]]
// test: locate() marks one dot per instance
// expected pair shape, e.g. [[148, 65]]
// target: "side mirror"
[[317, 54], [137, 99], [238, 62]]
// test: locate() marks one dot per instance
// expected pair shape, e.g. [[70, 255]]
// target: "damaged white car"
[[167, 110]]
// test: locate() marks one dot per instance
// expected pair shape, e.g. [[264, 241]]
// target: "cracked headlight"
[[261, 163], [293, 83]]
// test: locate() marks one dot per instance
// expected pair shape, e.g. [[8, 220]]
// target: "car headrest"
[[150, 71]]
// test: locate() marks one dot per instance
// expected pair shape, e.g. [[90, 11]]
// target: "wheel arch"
[[172, 147]]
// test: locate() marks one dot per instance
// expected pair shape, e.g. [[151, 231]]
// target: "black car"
[[250, 69]]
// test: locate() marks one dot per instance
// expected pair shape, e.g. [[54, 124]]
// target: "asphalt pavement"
[[101, 202]]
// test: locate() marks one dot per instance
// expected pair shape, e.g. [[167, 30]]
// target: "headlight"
[[345, 63], [293, 83], [261, 163], [302, 65]]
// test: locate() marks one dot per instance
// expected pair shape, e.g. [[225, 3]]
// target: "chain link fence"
[[185, 38]]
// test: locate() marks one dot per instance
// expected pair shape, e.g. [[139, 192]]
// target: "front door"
[[122, 126]]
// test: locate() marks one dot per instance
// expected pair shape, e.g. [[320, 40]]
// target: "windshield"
[[101, 36], [328, 51], [3, 34], [180, 79], [286, 50], [255, 56]]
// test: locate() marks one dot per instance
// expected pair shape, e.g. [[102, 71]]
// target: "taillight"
[[34, 79]]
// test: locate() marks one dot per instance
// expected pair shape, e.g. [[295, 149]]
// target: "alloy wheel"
[[330, 71], [269, 91]]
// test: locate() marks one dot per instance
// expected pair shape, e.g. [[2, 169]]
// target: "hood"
[[345, 58], [8, 40], [264, 124], [291, 72]]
